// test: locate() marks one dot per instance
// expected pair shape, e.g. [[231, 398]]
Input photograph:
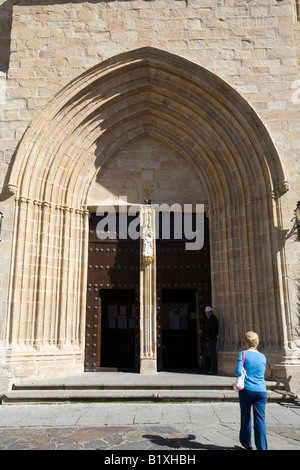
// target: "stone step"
[[125, 386], [106, 395], [218, 386], [133, 387]]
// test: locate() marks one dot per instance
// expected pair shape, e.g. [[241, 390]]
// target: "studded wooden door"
[[112, 319], [183, 291]]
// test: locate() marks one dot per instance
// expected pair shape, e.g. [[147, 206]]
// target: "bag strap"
[[243, 358]]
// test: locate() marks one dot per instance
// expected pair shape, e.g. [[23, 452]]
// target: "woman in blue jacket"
[[254, 394]]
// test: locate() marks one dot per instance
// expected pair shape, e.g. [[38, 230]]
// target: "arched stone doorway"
[[147, 166], [143, 92]]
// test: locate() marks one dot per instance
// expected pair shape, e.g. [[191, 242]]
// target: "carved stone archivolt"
[[59, 158]]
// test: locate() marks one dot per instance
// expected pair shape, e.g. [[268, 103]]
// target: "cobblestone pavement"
[[140, 426]]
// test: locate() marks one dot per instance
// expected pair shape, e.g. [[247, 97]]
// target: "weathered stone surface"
[[201, 130]]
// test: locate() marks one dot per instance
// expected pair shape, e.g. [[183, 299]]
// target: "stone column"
[[148, 346]]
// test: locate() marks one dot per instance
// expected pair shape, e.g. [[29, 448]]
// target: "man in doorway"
[[210, 333]]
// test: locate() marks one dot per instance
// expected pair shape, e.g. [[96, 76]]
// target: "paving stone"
[[182, 427]]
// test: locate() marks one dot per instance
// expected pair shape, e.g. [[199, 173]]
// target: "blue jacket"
[[255, 366]]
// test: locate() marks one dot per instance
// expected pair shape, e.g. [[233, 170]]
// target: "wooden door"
[[183, 291], [113, 285]]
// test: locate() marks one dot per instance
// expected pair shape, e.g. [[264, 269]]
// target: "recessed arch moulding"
[[146, 92]]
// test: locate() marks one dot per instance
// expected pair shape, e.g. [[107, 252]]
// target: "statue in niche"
[[148, 245]]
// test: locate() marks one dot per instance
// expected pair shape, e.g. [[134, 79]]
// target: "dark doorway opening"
[[179, 329], [118, 325], [183, 291]]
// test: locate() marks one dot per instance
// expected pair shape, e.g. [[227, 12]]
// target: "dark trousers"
[[210, 361], [256, 400]]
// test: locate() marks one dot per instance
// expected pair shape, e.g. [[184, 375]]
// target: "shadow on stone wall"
[[5, 34]]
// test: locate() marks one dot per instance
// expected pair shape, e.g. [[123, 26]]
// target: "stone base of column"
[[30, 364], [280, 367], [148, 366], [288, 371]]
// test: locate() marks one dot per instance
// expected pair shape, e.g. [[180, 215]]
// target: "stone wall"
[[252, 45], [147, 168]]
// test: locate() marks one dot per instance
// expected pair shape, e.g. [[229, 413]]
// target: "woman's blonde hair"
[[251, 339]]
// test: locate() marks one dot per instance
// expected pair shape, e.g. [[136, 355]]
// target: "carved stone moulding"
[[148, 259]]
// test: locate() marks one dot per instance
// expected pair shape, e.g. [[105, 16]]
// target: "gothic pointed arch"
[[144, 92]]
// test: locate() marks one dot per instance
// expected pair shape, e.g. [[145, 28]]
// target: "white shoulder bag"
[[239, 383]]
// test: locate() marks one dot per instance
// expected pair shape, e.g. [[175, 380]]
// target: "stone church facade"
[[186, 102]]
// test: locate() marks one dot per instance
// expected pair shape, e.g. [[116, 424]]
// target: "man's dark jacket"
[[211, 328]]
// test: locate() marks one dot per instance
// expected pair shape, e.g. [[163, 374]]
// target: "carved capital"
[[147, 259], [283, 187], [11, 189]]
